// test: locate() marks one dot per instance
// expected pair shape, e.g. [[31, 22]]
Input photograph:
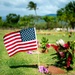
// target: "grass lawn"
[[23, 63]]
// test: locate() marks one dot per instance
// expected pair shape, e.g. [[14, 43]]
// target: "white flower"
[[60, 42]]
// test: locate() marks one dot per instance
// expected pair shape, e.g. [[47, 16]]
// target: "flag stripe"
[[18, 47], [21, 46], [13, 53], [10, 35], [13, 42], [10, 40], [21, 43]]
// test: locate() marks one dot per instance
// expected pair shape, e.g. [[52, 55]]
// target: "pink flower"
[[48, 45], [66, 45], [62, 54], [29, 52], [43, 69]]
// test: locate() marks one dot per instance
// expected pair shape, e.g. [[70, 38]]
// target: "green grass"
[[21, 63]]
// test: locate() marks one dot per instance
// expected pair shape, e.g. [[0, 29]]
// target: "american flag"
[[19, 41]]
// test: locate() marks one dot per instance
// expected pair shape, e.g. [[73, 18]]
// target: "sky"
[[19, 7]]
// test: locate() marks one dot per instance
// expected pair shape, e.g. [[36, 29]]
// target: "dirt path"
[[55, 70]]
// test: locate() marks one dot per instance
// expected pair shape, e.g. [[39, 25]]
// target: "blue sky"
[[19, 6]]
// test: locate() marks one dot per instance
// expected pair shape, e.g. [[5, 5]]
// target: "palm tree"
[[32, 6]]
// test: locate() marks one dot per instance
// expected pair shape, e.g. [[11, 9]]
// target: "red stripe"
[[11, 37], [22, 51], [12, 43], [21, 43], [12, 40], [19, 46], [30, 42], [10, 34]]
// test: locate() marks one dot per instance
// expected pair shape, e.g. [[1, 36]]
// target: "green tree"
[[1, 22], [27, 21], [49, 21], [68, 14], [12, 18]]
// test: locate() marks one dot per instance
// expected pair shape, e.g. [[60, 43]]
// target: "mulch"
[[53, 70]]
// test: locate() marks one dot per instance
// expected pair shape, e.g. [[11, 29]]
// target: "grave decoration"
[[64, 54], [44, 44]]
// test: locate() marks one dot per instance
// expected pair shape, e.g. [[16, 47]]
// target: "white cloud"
[[19, 6]]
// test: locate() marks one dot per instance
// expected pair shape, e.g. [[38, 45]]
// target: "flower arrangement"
[[44, 44], [65, 53]]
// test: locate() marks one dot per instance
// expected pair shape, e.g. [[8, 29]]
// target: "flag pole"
[[38, 59], [37, 48]]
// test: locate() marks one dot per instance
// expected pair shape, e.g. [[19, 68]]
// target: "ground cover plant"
[[26, 64]]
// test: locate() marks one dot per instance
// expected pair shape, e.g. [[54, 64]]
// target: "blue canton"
[[28, 34]]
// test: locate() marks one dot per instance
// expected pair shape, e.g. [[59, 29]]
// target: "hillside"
[[51, 14]]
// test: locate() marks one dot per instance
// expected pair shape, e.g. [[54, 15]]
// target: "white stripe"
[[20, 50], [12, 39], [19, 46], [22, 44], [30, 41], [11, 35], [12, 42]]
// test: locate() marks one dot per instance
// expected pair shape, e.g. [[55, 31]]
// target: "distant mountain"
[[51, 14], [4, 17]]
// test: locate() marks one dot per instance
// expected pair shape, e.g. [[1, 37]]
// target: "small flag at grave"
[[20, 41]]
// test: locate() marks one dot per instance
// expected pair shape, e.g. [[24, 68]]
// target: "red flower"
[[48, 45], [55, 47], [69, 60], [66, 45]]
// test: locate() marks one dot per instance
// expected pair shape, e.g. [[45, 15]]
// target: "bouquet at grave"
[[44, 44], [64, 53]]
